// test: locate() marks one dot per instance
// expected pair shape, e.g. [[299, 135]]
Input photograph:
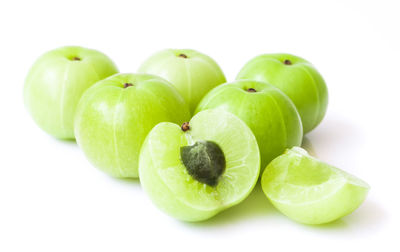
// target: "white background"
[[52, 199]]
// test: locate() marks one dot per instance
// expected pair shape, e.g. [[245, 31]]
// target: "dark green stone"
[[204, 161]]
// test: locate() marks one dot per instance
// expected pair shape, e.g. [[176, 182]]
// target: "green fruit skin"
[[193, 76], [300, 81], [56, 82], [112, 121], [269, 113], [343, 202], [348, 199]]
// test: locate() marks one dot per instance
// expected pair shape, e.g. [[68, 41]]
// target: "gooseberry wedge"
[[310, 191], [196, 170]]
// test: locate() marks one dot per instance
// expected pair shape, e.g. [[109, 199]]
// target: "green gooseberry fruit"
[[191, 72], [56, 82], [194, 171], [297, 78], [310, 191], [269, 113], [115, 115]]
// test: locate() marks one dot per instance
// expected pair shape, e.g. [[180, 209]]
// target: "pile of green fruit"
[[140, 125]]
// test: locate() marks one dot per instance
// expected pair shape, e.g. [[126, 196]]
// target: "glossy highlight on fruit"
[[56, 82], [268, 112], [191, 72], [195, 171], [115, 115], [297, 78], [309, 191]]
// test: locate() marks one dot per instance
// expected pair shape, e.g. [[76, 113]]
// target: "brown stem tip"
[[287, 62], [76, 58], [183, 56], [185, 126], [251, 90], [128, 85]]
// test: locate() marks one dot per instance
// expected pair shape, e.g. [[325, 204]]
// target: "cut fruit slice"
[[310, 191], [197, 192]]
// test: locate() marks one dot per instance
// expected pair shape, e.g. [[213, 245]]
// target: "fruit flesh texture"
[[268, 112], [167, 181], [193, 75], [310, 191], [56, 82], [299, 80], [112, 121]]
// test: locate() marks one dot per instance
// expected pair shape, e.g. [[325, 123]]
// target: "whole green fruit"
[[115, 115], [56, 82], [297, 78], [191, 72], [269, 113]]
